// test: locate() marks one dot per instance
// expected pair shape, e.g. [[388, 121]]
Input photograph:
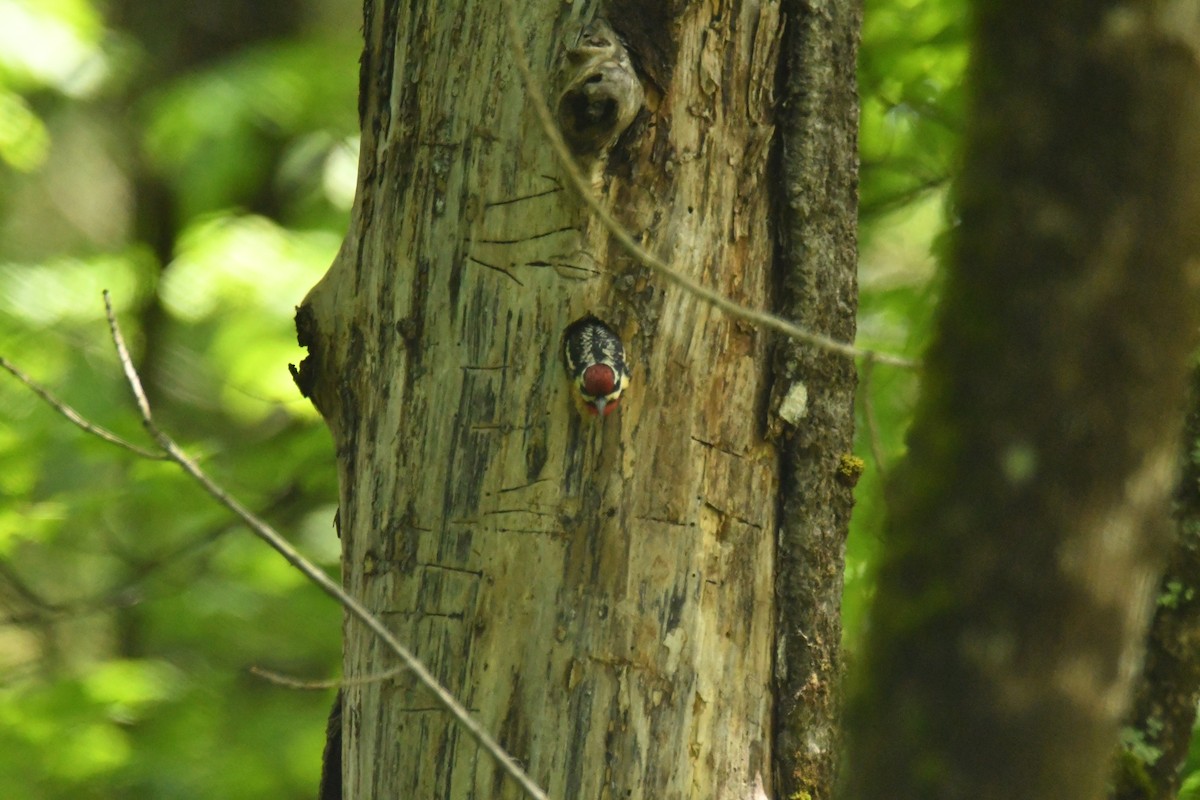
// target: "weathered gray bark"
[[1027, 526], [601, 595], [1158, 729], [818, 267]]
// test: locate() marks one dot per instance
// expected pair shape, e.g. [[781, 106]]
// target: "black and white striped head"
[[595, 362]]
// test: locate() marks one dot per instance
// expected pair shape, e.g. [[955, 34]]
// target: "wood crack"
[[495, 268], [715, 446], [528, 238], [522, 198]]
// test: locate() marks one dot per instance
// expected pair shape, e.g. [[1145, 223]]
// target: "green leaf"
[[23, 138]]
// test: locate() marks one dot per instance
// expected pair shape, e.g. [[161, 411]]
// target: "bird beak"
[[600, 404]]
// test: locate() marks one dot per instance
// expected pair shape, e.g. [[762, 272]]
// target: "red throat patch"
[[599, 380]]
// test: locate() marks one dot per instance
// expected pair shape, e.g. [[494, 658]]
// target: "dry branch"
[[656, 264], [172, 451]]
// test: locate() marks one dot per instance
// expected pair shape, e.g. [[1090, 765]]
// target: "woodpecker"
[[595, 362]]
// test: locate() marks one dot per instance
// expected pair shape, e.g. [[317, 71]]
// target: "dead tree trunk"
[[599, 593]]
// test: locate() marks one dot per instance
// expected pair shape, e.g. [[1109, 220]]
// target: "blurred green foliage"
[[912, 63], [205, 184]]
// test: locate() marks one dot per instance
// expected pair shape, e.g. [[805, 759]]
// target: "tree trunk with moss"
[[1158, 729], [601, 593], [1027, 526]]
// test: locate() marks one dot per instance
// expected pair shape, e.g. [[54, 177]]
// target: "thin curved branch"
[[279, 679], [314, 573], [74, 416], [656, 264]]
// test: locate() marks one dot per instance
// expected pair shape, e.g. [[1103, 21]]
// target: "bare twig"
[[295, 683], [656, 264], [315, 574], [74, 416]]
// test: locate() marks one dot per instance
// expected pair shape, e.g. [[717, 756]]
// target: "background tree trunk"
[[1026, 530], [1158, 729], [600, 594]]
